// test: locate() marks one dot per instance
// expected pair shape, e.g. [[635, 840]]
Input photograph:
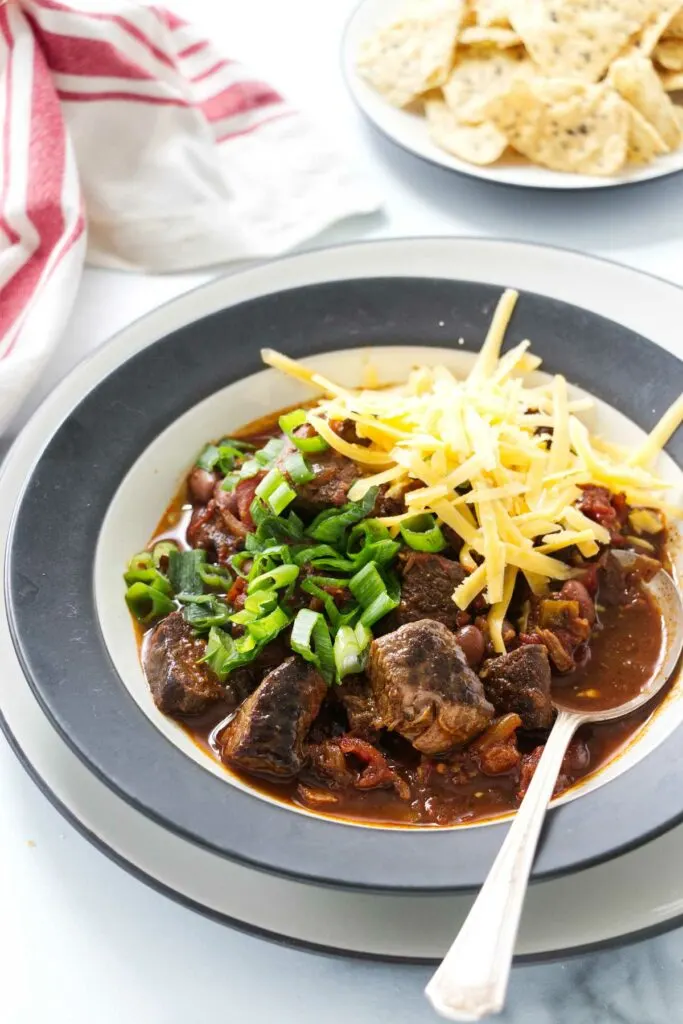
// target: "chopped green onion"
[[256, 606], [272, 529], [423, 533], [280, 576], [150, 577], [237, 560], [183, 571], [374, 594], [297, 469], [208, 457], [270, 452], [204, 611], [230, 482], [250, 468], [281, 497], [147, 604], [350, 650], [370, 531], [311, 639], [233, 442], [270, 482], [224, 655], [331, 525], [367, 584], [329, 604], [162, 550], [275, 490], [290, 422], [143, 560], [215, 576], [370, 541], [266, 629]]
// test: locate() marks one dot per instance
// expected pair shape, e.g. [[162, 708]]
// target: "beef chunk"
[[366, 768], [427, 586], [266, 736], [334, 475], [216, 528], [359, 703], [179, 684], [520, 682], [618, 584], [424, 688]]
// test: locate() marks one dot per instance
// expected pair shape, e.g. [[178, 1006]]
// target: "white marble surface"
[[82, 941]]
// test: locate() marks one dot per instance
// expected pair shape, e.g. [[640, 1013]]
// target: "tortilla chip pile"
[[573, 85]]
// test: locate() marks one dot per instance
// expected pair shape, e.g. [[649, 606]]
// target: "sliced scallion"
[[311, 639], [331, 525], [290, 422], [350, 650], [147, 604], [183, 571], [280, 576], [162, 550], [423, 533], [375, 594], [151, 577], [297, 469]]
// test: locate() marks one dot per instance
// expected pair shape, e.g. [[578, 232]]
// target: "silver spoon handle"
[[472, 979]]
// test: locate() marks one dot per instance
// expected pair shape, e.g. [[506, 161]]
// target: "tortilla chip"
[[491, 35], [644, 143], [492, 12], [636, 80], [675, 25], [669, 53], [415, 53], [656, 26], [476, 80], [478, 144], [564, 124], [578, 39], [672, 81]]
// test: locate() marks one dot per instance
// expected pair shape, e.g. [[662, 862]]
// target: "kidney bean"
[[573, 590], [471, 639], [201, 484]]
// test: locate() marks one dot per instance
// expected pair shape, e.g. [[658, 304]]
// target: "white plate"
[[410, 130], [568, 914]]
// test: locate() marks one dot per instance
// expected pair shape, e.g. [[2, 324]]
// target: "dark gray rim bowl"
[[53, 617]]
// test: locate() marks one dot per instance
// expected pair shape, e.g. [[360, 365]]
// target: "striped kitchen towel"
[[127, 141]]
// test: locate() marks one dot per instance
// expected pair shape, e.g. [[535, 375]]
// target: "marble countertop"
[[81, 940]]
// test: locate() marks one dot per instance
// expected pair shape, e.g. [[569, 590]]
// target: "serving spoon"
[[472, 979]]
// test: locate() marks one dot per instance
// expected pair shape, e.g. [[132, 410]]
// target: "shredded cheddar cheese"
[[494, 459]]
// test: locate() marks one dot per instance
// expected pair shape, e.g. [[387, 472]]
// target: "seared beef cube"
[[427, 586], [425, 690], [359, 703], [180, 685], [334, 475], [266, 736], [216, 528], [519, 682], [618, 584]]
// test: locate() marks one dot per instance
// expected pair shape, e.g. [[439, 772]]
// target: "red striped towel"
[[127, 140]]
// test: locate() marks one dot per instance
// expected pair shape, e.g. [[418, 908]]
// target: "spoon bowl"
[[471, 981]]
